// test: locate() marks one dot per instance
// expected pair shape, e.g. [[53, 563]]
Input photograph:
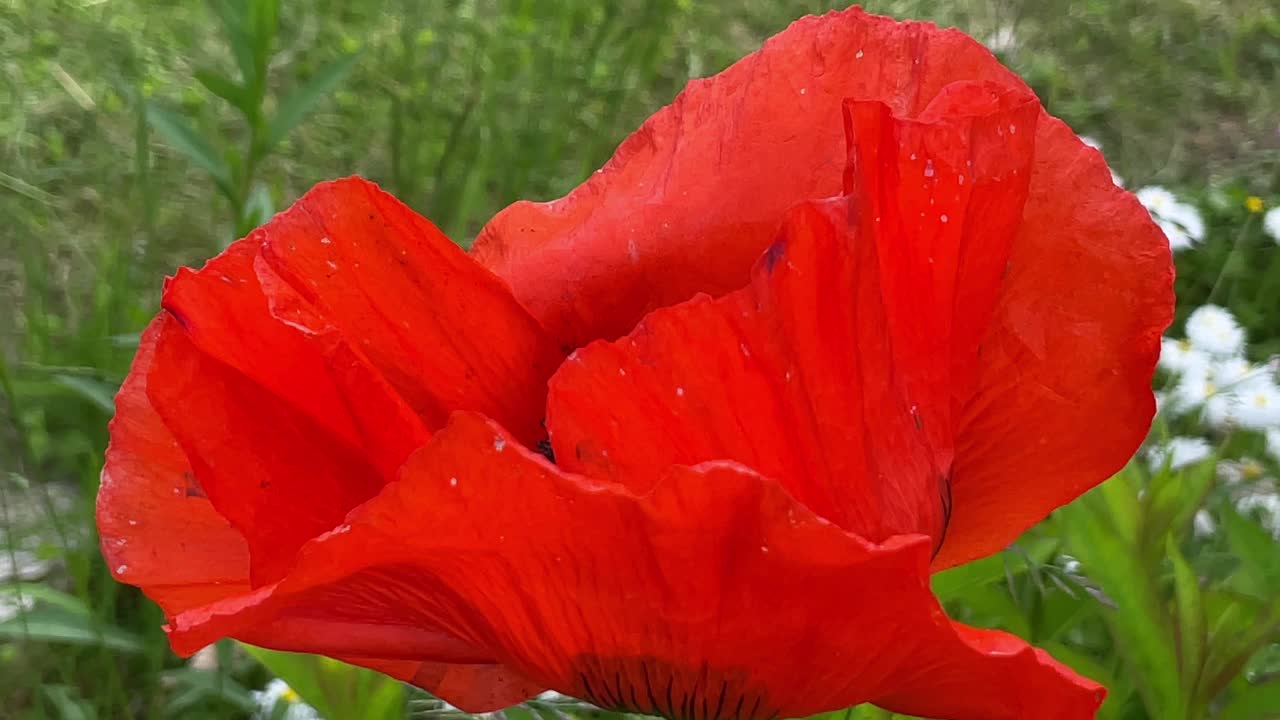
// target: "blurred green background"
[[140, 136]]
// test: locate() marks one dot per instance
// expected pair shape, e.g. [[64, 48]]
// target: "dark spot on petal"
[[543, 448], [773, 254], [944, 497], [192, 485]]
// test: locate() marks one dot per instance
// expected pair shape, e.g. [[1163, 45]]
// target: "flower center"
[[655, 687]]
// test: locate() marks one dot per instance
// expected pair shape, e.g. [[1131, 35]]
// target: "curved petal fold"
[[651, 602], [156, 531], [295, 372], [691, 199], [832, 371]]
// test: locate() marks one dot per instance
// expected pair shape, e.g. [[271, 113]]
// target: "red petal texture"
[[832, 371], [651, 601], [1063, 395], [158, 530], [1059, 397], [273, 395], [690, 200]]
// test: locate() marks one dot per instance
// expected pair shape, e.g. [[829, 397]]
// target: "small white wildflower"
[[1263, 504], [1214, 330], [1002, 40], [1194, 387], [1181, 222], [1219, 410], [1273, 442], [1235, 372], [1179, 356], [1271, 223], [1202, 524], [1180, 452], [278, 692], [1258, 406]]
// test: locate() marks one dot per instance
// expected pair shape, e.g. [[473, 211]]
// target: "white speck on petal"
[[928, 168], [453, 482], [745, 352], [859, 54], [120, 569], [332, 265], [943, 218], [499, 443], [133, 522], [803, 90], [325, 240], [622, 372], [1013, 129], [679, 392], [764, 548]]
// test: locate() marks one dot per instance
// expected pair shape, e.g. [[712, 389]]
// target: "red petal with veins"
[[833, 371], [266, 402], [690, 200], [651, 602]]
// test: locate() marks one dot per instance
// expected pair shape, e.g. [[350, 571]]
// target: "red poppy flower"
[[346, 436]]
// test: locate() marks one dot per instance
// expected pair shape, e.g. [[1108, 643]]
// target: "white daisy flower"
[[1273, 442], [1194, 388], [1219, 410], [1258, 406], [1180, 452], [278, 692], [1271, 223], [1214, 330], [1181, 222], [1178, 356], [1265, 506], [1235, 372]]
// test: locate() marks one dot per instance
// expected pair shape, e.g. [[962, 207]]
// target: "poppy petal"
[[238, 312], [157, 530], [690, 200], [1064, 395], [832, 371], [267, 467], [308, 402], [650, 602], [445, 332]]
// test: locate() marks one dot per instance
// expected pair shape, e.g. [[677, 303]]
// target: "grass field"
[[124, 154]]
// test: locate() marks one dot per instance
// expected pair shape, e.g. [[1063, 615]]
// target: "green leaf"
[[951, 584], [1255, 702], [1191, 620], [263, 22], [185, 140], [336, 690], [1259, 571], [233, 27], [228, 90], [295, 108], [67, 702], [96, 391], [52, 626], [203, 687], [41, 593], [1101, 531]]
